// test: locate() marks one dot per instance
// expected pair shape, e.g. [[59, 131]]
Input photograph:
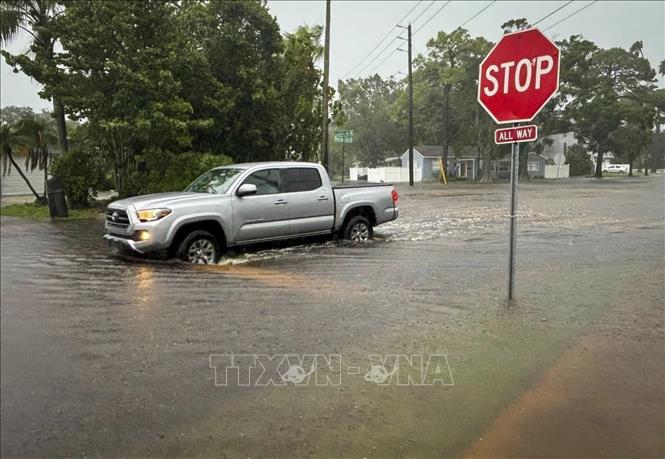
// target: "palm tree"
[[34, 17], [14, 138]]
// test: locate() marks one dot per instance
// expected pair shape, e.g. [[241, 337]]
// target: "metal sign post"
[[514, 178]]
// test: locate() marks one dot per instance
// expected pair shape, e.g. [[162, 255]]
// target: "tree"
[[515, 25], [37, 18], [447, 112], [597, 82], [117, 72], [32, 136], [369, 105], [298, 130], [578, 160], [446, 78], [628, 143]]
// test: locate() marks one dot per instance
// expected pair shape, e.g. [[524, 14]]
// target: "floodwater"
[[104, 356]]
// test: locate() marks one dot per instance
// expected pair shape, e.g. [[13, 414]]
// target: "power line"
[[478, 13], [390, 43], [382, 40], [384, 60], [571, 15], [481, 11], [426, 22], [558, 9], [378, 55], [432, 17], [423, 11]]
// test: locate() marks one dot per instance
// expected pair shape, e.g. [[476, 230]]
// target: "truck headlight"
[[149, 215]]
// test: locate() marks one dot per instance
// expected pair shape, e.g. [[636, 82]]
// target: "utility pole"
[[408, 30], [325, 152], [410, 111]]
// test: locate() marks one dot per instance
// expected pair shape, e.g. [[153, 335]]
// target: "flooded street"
[[105, 356]]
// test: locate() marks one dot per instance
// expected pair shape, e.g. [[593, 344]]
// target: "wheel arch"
[[206, 223], [366, 210]]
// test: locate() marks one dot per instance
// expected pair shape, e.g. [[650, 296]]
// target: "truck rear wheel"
[[199, 247], [358, 229]]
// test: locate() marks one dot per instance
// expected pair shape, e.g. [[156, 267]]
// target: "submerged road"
[[104, 356]]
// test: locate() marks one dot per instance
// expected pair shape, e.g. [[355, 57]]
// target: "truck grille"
[[117, 217]]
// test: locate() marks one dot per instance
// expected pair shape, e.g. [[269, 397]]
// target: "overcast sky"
[[357, 26]]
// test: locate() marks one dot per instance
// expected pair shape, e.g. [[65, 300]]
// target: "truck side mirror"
[[246, 189]]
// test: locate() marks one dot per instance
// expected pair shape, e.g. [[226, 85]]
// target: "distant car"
[[616, 168]]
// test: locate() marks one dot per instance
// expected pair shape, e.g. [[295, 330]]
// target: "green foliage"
[[169, 79], [578, 160], [445, 94], [158, 170], [603, 89], [38, 18], [299, 111], [514, 25], [629, 142], [369, 105], [83, 174]]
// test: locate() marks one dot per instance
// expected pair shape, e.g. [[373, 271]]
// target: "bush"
[[579, 160], [158, 171], [82, 174]]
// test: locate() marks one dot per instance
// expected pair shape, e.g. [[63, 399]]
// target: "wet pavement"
[[104, 356]]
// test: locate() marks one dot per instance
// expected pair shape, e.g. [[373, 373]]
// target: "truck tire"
[[358, 229], [199, 247]]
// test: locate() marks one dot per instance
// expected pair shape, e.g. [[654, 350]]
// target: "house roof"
[[436, 151], [430, 151]]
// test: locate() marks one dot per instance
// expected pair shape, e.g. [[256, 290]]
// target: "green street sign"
[[344, 137]]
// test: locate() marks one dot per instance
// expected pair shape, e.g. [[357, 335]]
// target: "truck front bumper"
[[116, 241]]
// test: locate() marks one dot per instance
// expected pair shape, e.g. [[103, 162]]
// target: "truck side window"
[[267, 181], [302, 179]]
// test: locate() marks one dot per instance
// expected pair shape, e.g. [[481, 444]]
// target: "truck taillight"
[[395, 196]]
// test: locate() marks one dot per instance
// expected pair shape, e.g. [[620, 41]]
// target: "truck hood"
[[156, 200]]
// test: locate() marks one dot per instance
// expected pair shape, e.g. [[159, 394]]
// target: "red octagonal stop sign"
[[519, 76]]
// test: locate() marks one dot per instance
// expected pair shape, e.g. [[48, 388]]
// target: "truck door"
[[263, 215], [311, 206]]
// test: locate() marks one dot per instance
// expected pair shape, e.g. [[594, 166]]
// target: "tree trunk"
[[32, 189], [61, 126], [630, 168], [599, 165], [646, 165], [45, 179]]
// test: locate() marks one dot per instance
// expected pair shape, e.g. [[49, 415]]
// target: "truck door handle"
[[279, 202], [322, 198]]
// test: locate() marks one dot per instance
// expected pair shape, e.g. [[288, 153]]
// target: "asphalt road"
[[105, 356]]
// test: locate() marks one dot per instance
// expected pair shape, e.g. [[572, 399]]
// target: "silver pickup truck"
[[248, 203]]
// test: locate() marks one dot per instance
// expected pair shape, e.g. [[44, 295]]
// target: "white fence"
[[553, 172], [385, 174]]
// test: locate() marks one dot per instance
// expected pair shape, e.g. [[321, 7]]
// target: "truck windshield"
[[216, 181]]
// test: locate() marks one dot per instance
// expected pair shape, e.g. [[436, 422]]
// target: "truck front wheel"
[[358, 229], [199, 247]]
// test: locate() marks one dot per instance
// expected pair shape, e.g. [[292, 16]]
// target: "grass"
[[36, 211]]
